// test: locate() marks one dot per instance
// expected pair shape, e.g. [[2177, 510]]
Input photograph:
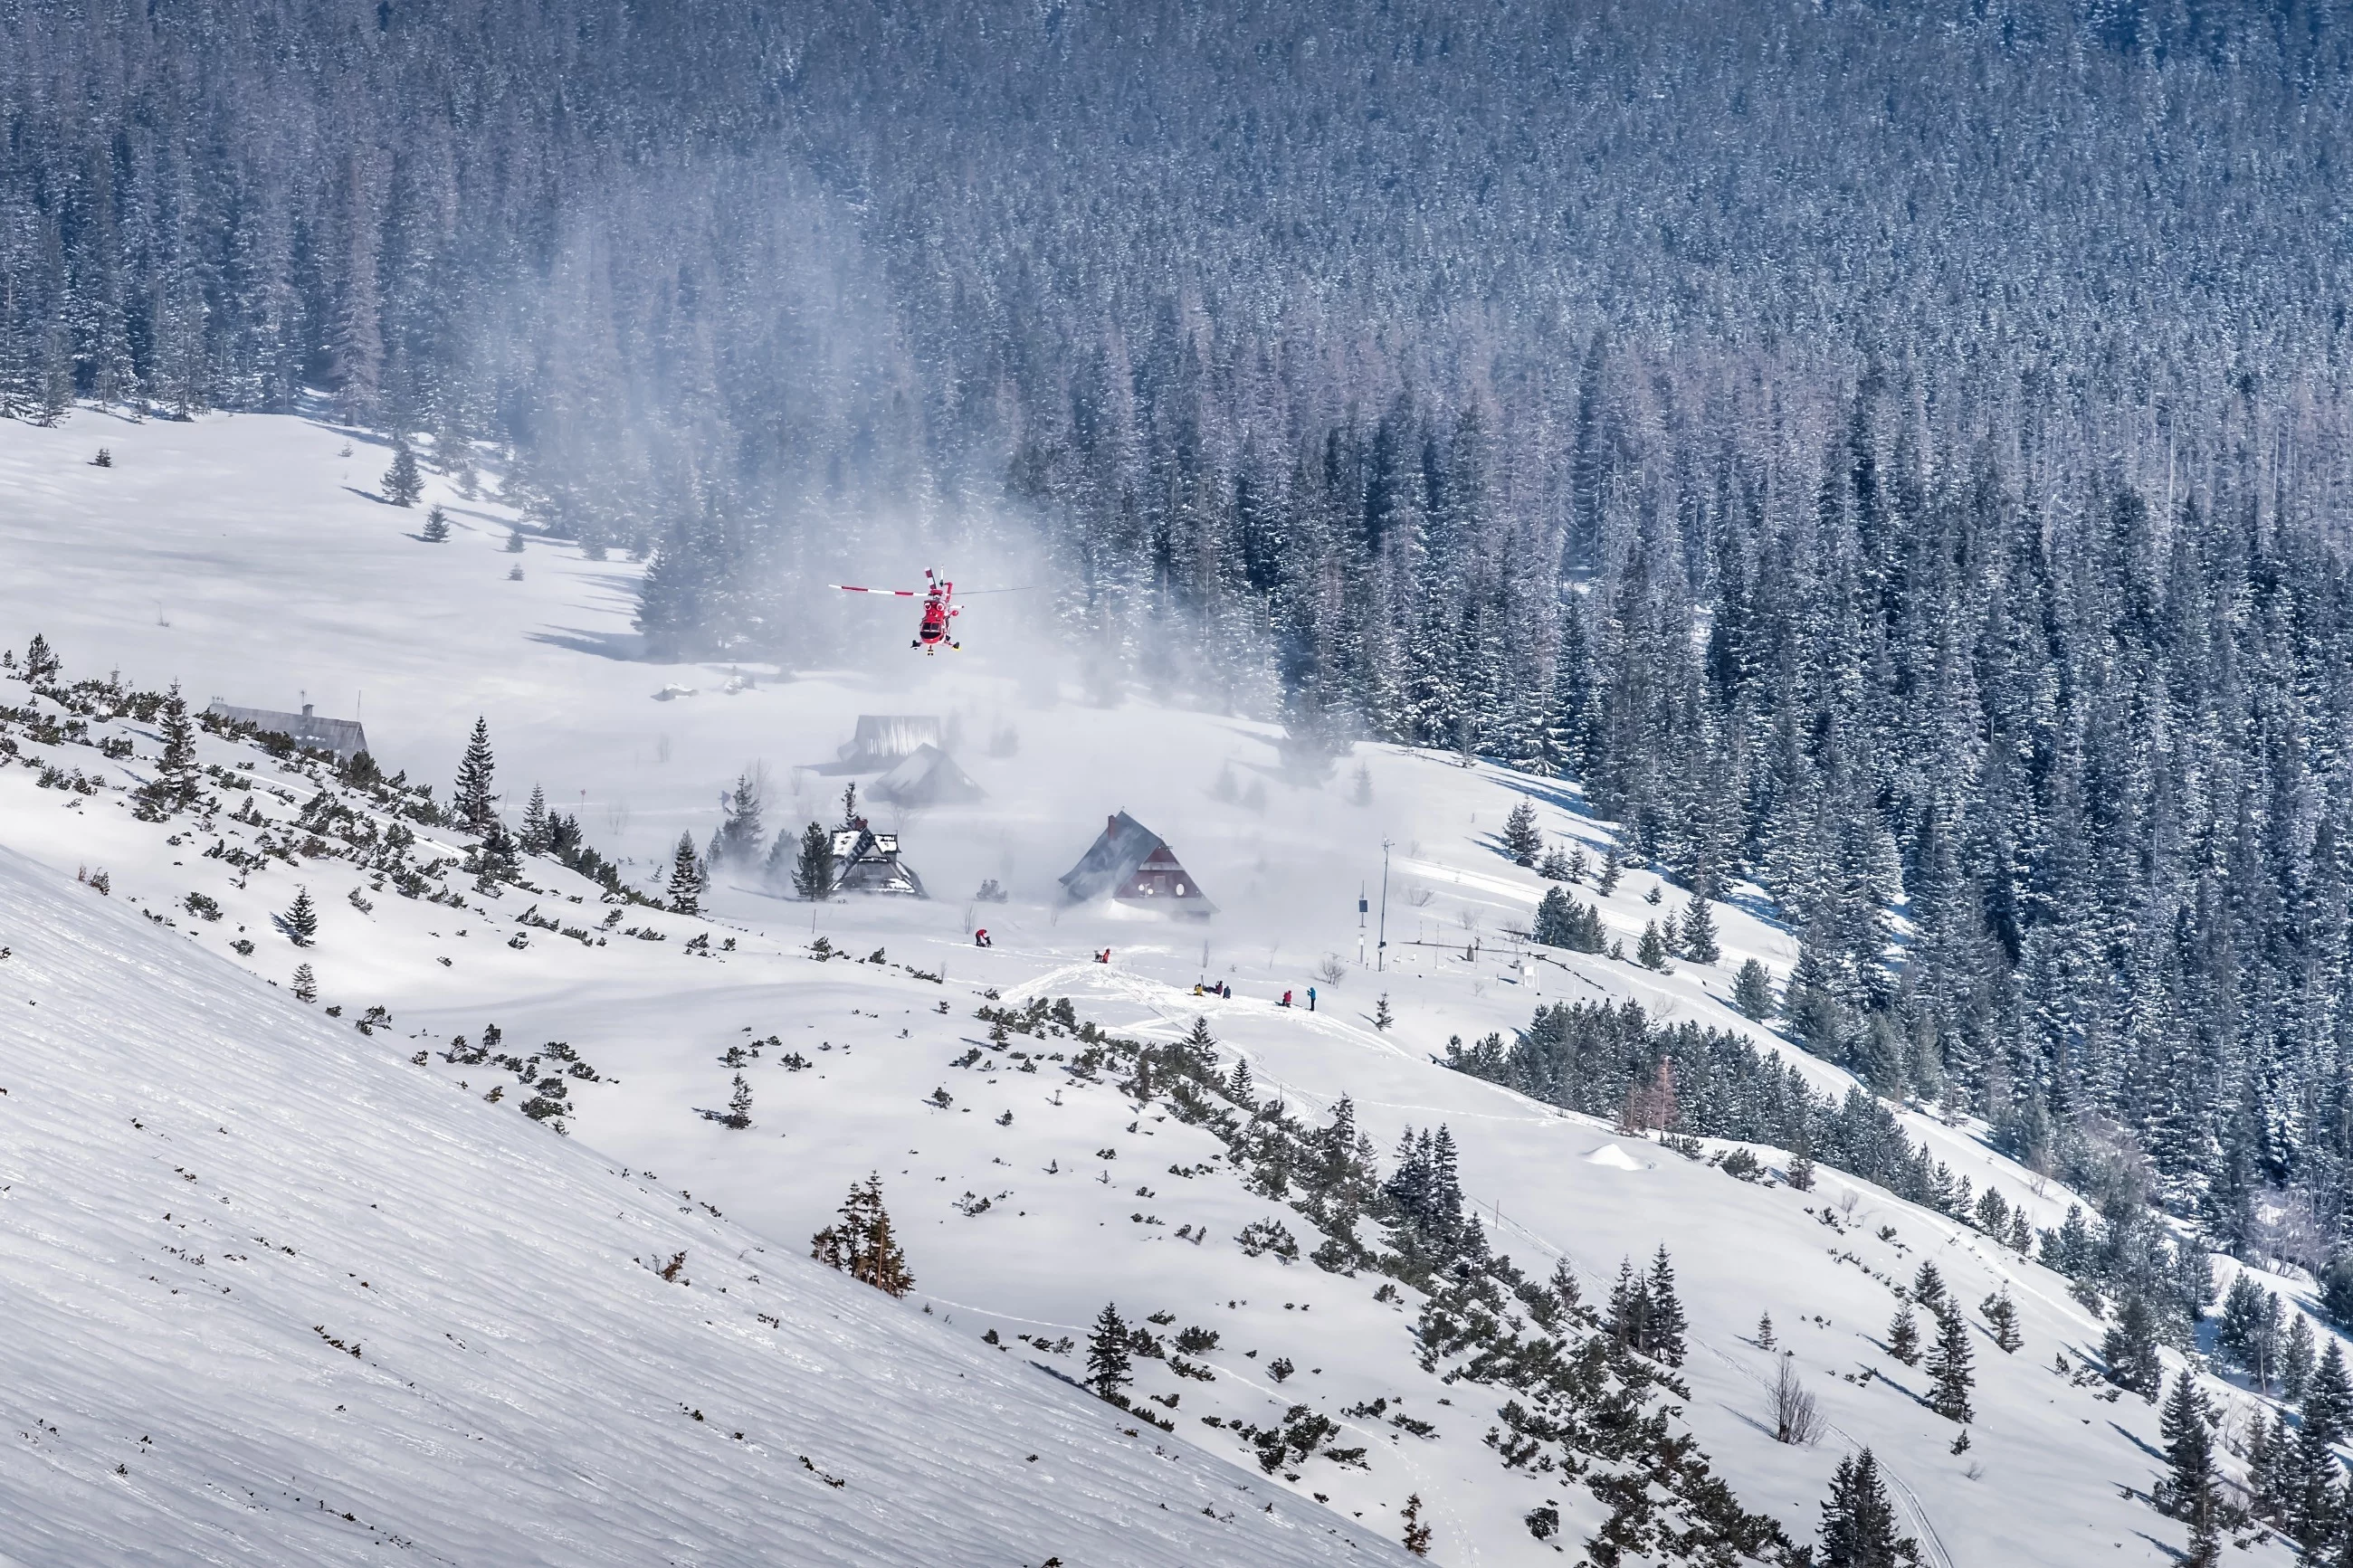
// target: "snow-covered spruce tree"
[[2297, 1359], [859, 1242], [404, 482], [42, 665], [2248, 1333], [2188, 1490], [2129, 1349], [1382, 1018], [538, 834], [178, 782], [472, 801], [1950, 1371], [1928, 1286], [1699, 930], [1628, 1311], [1903, 1335], [437, 527], [2001, 1317], [1417, 1534], [1858, 1521], [687, 878], [300, 920], [1752, 990], [1665, 1325], [739, 1105], [2314, 1509], [176, 768], [1651, 953], [1107, 1355], [305, 983], [1240, 1086], [1197, 1053], [1555, 923], [740, 834], [1523, 840], [1765, 1331], [813, 870]]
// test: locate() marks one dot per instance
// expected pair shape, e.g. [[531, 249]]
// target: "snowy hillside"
[[1040, 1161], [275, 1297]]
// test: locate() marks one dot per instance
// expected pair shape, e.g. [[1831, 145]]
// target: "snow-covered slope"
[[275, 1297], [1034, 1194]]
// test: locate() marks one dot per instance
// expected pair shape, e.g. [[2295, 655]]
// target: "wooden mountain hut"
[[1133, 866]]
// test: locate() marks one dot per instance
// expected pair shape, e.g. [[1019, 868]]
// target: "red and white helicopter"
[[939, 608], [932, 632]]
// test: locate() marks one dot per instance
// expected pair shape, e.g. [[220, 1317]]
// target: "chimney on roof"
[[1111, 824], [306, 711]]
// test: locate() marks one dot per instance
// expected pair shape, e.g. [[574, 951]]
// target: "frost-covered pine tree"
[[687, 878], [437, 527], [176, 769], [300, 920], [2188, 1490], [1949, 1365], [1382, 1018], [812, 869], [1858, 1521], [2297, 1359], [538, 834], [470, 800], [1107, 1355], [1523, 840], [2315, 1511], [306, 984], [1652, 952], [737, 841], [861, 1244], [2001, 1317], [1699, 943], [1752, 990], [404, 482], [1561, 922], [1928, 1286], [42, 665], [1903, 1335], [2129, 1349]]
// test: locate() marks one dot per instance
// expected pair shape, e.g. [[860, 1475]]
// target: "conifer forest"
[[1892, 454]]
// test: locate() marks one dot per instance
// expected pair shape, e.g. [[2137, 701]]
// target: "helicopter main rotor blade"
[[894, 592]]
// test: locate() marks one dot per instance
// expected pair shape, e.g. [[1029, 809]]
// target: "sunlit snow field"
[[248, 559]]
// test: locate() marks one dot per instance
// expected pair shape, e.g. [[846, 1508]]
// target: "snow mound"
[[1616, 1159], [279, 1296]]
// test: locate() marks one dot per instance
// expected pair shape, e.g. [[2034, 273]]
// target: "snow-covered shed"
[[1134, 864], [927, 776], [884, 739], [865, 862], [344, 737]]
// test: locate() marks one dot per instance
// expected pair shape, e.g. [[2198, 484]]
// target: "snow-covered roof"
[[882, 739], [1110, 859], [341, 736], [927, 776]]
